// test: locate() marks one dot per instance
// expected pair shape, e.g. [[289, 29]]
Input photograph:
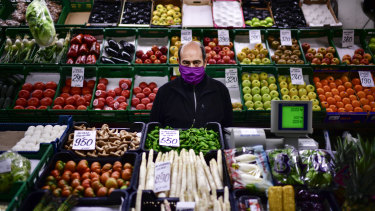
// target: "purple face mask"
[[192, 75]]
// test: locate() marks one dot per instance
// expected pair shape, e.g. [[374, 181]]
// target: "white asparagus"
[[150, 177], [215, 174], [179, 176], [221, 203], [226, 194], [150, 157], [142, 173], [188, 175], [220, 164], [174, 178], [133, 209], [208, 174], [138, 200], [202, 176], [217, 205], [183, 182], [161, 195], [193, 177], [158, 157], [167, 205], [162, 208]]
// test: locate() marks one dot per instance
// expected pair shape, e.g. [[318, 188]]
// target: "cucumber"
[[7, 102], [2, 100], [11, 81], [18, 78], [4, 90], [10, 91]]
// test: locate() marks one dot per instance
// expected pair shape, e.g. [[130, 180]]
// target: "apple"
[[245, 76], [277, 98], [281, 78], [274, 94], [232, 61], [264, 83], [304, 98], [148, 61], [302, 86], [241, 56], [139, 53], [225, 48], [246, 90], [207, 49], [364, 61], [346, 57], [154, 48], [138, 61], [359, 51], [272, 87], [331, 50], [153, 57], [284, 91], [230, 54], [267, 104], [329, 55], [163, 58], [257, 61], [264, 90], [295, 98], [206, 40], [271, 80], [266, 61], [212, 44], [263, 76], [309, 56], [246, 50], [220, 61], [222, 53], [367, 56], [249, 104], [316, 108], [357, 56], [217, 49], [257, 97], [211, 61], [290, 86], [247, 97], [311, 95], [316, 61], [226, 59], [312, 51], [150, 53], [335, 61], [322, 50], [286, 97], [258, 105], [283, 84], [255, 83], [319, 56], [254, 76], [246, 61], [310, 88], [326, 60], [255, 90], [293, 92], [246, 83], [144, 57], [305, 47], [266, 97], [315, 101]]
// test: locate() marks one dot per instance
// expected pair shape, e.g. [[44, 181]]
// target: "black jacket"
[[174, 104]]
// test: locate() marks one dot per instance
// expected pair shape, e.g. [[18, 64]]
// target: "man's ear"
[[205, 63]]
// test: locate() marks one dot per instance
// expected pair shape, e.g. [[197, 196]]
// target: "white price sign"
[[186, 36], [84, 140], [286, 37], [169, 138], [366, 79], [249, 132], [185, 206], [231, 78], [78, 75], [255, 37], [296, 76], [223, 37], [347, 38], [162, 176], [5, 166]]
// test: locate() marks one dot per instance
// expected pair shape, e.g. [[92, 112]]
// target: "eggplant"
[[130, 49], [124, 55], [7, 102], [119, 61], [114, 45], [111, 52], [106, 60]]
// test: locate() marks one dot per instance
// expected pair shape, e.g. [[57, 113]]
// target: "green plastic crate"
[[367, 35], [74, 6], [219, 72], [18, 198], [111, 115]]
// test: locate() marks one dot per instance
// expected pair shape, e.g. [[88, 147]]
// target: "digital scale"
[[291, 122]]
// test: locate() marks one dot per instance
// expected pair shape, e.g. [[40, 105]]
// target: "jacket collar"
[[204, 87]]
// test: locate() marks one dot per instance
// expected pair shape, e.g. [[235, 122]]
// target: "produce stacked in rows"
[[323, 56], [154, 56], [84, 49], [371, 45], [144, 95], [118, 52], [359, 58], [8, 92], [53, 53], [288, 14], [105, 12], [285, 54], [115, 99], [137, 13], [366, 95], [36, 96], [69, 178], [166, 15], [72, 98], [18, 51], [218, 54], [281, 198], [175, 45], [256, 56]]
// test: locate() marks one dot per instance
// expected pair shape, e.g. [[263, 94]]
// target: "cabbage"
[[20, 170]]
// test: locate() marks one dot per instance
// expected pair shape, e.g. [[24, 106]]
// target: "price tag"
[[84, 140], [296, 76], [255, 37], [347, 38], [223, 37], [185, 206], [169, 138], [162, 176], [286, 37], [366, 79], [78, 75], [249, 132], [186, 36], [5, 166], [231, 79]]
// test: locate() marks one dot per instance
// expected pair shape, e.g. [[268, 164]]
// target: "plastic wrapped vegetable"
[[316, 168], [20, 170], [40, 23], [249, 168], [284, 166]]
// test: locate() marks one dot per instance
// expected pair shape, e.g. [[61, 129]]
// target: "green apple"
[[257, 97], [290, 86], [250, 109], [286, 97], [316, 108], [272, 87], [245, 76], [255, 20], [241, 56], [277, 98], [260, 109], [281, 78], [264, 90], [255, 90], [249, 104], [302, 86], [305, 98], [302, 91], [295, 98], [293, 92], [263, 76], [246, 90], [254, 76], [315, 101], [269, 25], [288, 79], [263, 23], [246, 83], [269, 20], [266, 61], [283, 84], [247, 97], [246, 61], [311, 95], [258, 105], [255, 83], [266, 97], [257, 61], [274, 94], [267, 104], [264, 83], [284, 91], [271, 80], [310, 88], [268, 109]]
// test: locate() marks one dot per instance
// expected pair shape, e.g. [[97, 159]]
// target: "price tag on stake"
[[162, 176], [286, 37], [231, 79], [78, 75], [186, 36], [169, 138], [366, 79], [223, 37], [185, 206], [5, 166], [347, 38], [296, 76], [84, 140], [255, 37]]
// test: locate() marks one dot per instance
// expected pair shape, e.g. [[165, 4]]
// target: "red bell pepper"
[[77, 39], [70, 61], [73, 51], [81, 59], [95, 49], [89, 39], [91, 59], [83, 49]]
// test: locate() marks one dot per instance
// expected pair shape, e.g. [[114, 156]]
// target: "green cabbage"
[[20, 170]]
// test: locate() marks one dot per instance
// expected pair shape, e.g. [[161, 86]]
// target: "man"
[[193, 99]]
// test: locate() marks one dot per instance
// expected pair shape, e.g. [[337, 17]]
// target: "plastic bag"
[[249, 168], [40, 23], [284, 166]]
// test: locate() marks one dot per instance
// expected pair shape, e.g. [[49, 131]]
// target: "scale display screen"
[[293, 117]]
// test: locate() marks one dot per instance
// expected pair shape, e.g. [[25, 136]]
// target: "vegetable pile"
[[36, 96], [79, 179], [8, 92], [200, 140], [49, 202], [18, 51], [118, 52], [109, 142], [19, 170], [105, 12], [144, 95], [155, 55], [84, 49], [53, 53], [137, 12], [116, 99], [316, 168]]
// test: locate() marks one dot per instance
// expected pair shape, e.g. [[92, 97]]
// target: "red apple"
[[164, 50], [225, 49], [358, 56], [157, 61], [331, 50], [311, 50], [326, 60], [220, 61], [335, 61], [226, 59], [309, 57], [150, 53], [217, 57], [158, 54], [232, 61], [139, 53], [212, 61], [364, 61], [138, 61], [144, 57], [316, 61], [163, 59], [206, 40], [328, 55], [230, 54], [148, 61], [346, 57], [355, 61], [222, 54], [217, 49], [207, 49], [212, 45], [153, 57], [305, 47], [155, 48], [359, 51]]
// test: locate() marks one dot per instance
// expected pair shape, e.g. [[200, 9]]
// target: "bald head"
[[192, 54]]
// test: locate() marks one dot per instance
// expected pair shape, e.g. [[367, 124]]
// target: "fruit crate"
[[258, 116], [275, 34], [318, 38], [175, 43], [370, 43], [365, 95], [209, 125], [114, 74], [218, 73], [157, 74], [242, 41], [211, 35], [128, 35], [318, 115], [314, 10], [21, 194], [173, 3], [358, 47], [344, 115], [33, 74], [75, 13], [216, 6], [197, 14], [78, 115], [98, 33], [130, 157], [38, 162], [109, 9], [126, 13], [138, 127], [117, 200], [255, 8], [288, 14]]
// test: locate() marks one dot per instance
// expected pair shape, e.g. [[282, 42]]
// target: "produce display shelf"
[[366, 37], [17, 200], [259, 6], [81, 8]]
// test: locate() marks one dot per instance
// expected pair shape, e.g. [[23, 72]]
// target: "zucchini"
[[4, 90], [11, 81], [2, 100], [10, 91], [7, 102], [18, 78]]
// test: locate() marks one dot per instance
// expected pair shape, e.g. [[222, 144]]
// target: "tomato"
[[33, 102], [75, 90], [84, 83], [66, 176], [76, 96], [80, 101], [75, 183], [62, 183], [108, 100], [120, 182], [24, 94], [86, 183], [100, 93], [91, 84], [51, 85], [47, 101], [121, 99], [152, 85], [57, 192], [118, 91], [21, 102], [49, 93], [103, 81], [66, 89], [70, 101], [115, 174], [70, 166], [126, 174], [145, 100], [69, 107], [98, 104], [37, 94], [135, 101], [102, 191], [39, 85], [110, 191], [87, 97], [86, 90], [143, 85], [76, 175], [27, 87], [64, 95], [55, 173], [125, 93], [18, 107], [81, 107], [140, 95], [137, 90], [96, 185], [140, 107], [101, 86], [125, 83], [57, 107], [152, 96], [104, 177], [149, 106], [155, 90], [42, 107], [85, 175], [128, 166], [82, 166], [111, 93], [59, 101], [146, 91], [123, 106], [95, 174], [68, 82], [30, 107], [89, 192]]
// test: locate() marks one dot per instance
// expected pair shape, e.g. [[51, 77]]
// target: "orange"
[[335, 91], [350, 91], [327, 88], [361, 94], [358, 88], [320, 91], [346, 101], [358, 109], [364, 101], [373, 109], [353, 97], [372, 104], [330, 79], [340, 105], [338, 82], [367, 108], [373, 89], [356, 103], [331, 101], [370, 98], [322, 97], [318, 85], [324, 104], [337, 98], [329, 110], [324, 82], [348, 85], [329, 94], [316, 79], [356, 81], [341, 110], [343, 94], [344, 78], [332, 85], [341, 88], [348, 107], [368, 91], [333, 107]]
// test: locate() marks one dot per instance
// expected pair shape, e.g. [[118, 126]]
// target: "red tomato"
[[70, 101], [33, 102], [135, 101], [69, 107], [37, 94], [51, 85], [91, 84], [109, 99], [100, 93], [39, 85], [121, 99], [24, 94], [152, 96], [111, 103], [98, 103], [145, 100], [76, 96], [125, 93], [42, 107], [68, 82], [75, 90], [47, 101], [101, 86], [28, 87], [88, 97], [81, 107], [80, 101], [155, 90], [84, 83], [59, 101], [21, 102], [125, 83], [111, 93], [152, 85], [140, 95], [116, 105], [86, 90], [137, 90], [18, 107], [149, 106], [57, 107], [146, 91], [123, 105], [140, 107], [103, 80], [66, 89], [118, 91], [49, 93], [143, 85], [31, 107], [65, 95]]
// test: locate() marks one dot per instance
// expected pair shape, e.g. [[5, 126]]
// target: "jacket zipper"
[[195, 104]]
